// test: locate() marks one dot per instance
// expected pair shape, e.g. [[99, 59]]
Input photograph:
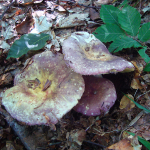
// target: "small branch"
[[132, 122], [95, 144]]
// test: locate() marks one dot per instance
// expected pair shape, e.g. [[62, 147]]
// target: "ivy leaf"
[[27, 42], [144, 32], [144, 55], [123, 42], [147, 67], [109, 13], [108, 32], [129, 20]]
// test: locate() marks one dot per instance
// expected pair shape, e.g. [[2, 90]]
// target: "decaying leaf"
[[135, 84], [77, 136], [124, 144], [126, 103]]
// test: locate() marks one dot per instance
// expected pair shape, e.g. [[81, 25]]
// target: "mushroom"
[[87, 55], [98, 98], [45, 91]]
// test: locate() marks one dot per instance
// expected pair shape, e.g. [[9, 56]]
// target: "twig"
[[95, 144], [132, 122], [142, 94], [135, 92], [1, 17], [105, 132]]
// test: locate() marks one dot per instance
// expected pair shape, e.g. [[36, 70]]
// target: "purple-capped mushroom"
[[98, 98], [87, 55], [45, 91]]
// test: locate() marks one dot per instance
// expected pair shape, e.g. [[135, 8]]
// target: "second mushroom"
[[87, 55]]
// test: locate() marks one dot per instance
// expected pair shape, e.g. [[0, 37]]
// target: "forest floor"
[[74, 131]]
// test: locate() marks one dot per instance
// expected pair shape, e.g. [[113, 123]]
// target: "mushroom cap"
[[45, 91], [99, 96], [87, 55]]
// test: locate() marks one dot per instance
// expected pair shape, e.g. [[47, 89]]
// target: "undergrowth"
[[122, 26]]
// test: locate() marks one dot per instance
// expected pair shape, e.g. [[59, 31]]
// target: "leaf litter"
[[74, 130]]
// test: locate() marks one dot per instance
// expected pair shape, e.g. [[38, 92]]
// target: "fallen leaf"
[[5, 79], [25, 26], [94, 14], [101, 2], [77, 136], [146, 77], [126, 103], [124, 144], [9, 145], [146, 135], [41, 23], [138, 68], [135, 84]]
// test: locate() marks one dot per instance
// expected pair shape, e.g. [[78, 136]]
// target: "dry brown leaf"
[[135, 84], [126, 103], [77, 136], [94, 14], [125, 144], [6, 79], [146, 77], [138, 68], [122, 145], [25, 26], [146, 135]]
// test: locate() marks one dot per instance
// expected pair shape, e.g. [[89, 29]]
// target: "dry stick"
[[95, 144], [132, 122], [143, 94], [1, 17]]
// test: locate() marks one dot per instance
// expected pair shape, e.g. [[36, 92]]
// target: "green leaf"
[[109, 13], [124, 3], [108, 32], [143, 141], [144, 55], [129, 20], [147, 67], [144, 32], [123, 42], [138, 105], [27, 42]]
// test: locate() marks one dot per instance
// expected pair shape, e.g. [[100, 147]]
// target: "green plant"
[[26, 43], [138, 105], [143, 141], [123, 28]]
